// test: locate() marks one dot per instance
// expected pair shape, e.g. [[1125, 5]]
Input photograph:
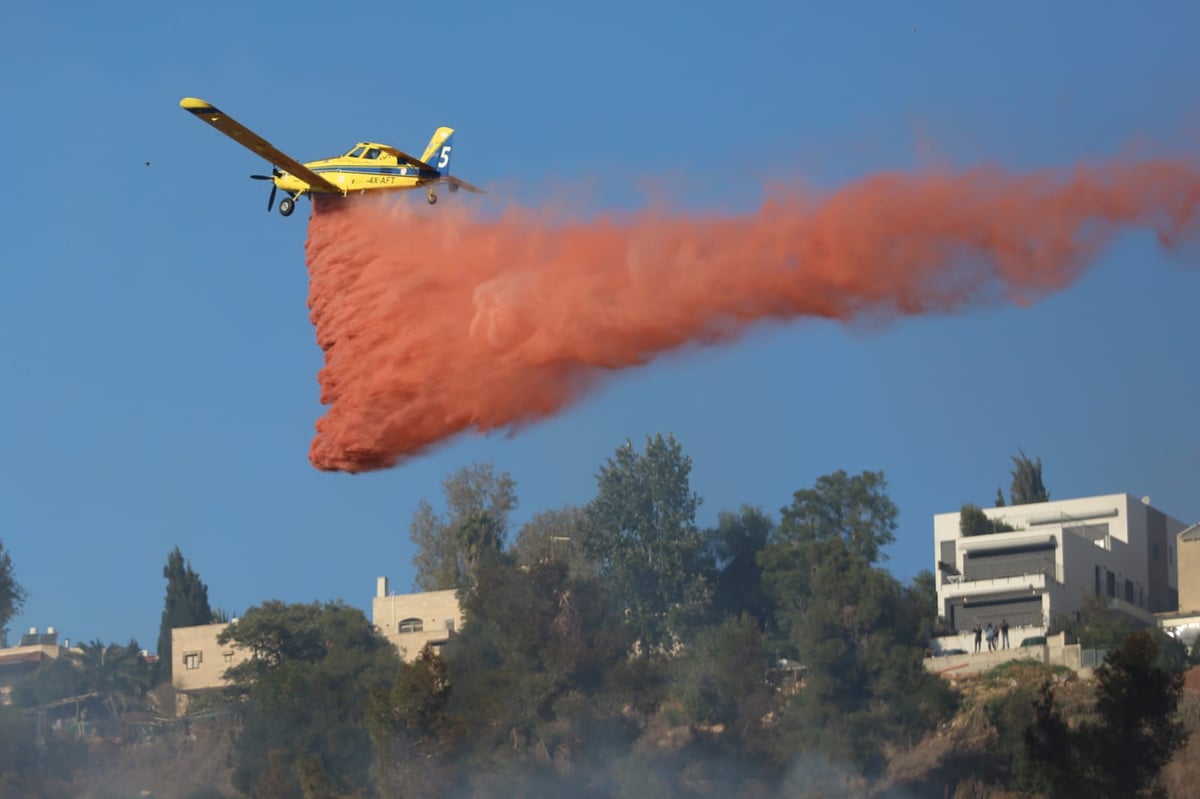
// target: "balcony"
[[1036, 582]]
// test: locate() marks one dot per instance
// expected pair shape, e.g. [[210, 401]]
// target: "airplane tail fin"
[[437, 152]]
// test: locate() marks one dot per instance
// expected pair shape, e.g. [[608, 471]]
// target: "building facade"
[[32, 650], [198, 661], [410, 621], [1187, 555], [1185, 624], [1060, 553]]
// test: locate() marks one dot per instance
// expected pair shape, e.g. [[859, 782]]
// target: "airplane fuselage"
[[354, 174]]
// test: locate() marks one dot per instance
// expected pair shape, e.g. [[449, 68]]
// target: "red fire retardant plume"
[[435, 321]]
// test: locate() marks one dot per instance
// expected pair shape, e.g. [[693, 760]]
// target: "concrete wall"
[[1056, 651], [1187, 556], [198, 661], [410, 621]]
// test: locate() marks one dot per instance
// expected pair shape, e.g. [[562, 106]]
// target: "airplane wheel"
[[432, 198], [286, 206]]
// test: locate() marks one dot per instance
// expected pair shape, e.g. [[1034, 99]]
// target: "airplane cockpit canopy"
[[364, 151]]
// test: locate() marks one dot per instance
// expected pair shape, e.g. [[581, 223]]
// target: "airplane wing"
[[404, 157], [249, 139]]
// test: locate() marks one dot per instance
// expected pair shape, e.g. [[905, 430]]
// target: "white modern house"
[[1060, 553]]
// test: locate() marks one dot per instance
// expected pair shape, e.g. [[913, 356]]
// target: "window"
[[356, 152], [1097, 581], [1112, 583], [450, 625], [372, 153], [1129, 591], [191, 660], [410, 626], [228, 657]]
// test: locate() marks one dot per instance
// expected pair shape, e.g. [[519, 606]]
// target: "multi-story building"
[[412, 620], [1060, 553]]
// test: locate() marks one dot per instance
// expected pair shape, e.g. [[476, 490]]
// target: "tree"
[[473, 494], [856, 510], [306, 691], [641, 532], [554, 535], [413, 734], [973, 521], [521, 700], [735, 544], [854, 628], [721, 678], [1134, 732], [12, 595], [924, 591], [186, 605], [1138, 731], [999, 497], [1027, 486], [119, 675]]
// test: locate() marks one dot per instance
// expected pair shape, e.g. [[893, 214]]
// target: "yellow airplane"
[[367, 166]]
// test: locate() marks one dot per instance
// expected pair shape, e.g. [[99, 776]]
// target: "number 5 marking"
[[445, 159]]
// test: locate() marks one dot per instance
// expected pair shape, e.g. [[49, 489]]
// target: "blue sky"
[[160, 369]]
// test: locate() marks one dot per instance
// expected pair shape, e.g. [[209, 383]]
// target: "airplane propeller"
[[275, 173]]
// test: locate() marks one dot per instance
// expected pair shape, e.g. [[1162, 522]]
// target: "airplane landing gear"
[[432, 198], [286, 206]]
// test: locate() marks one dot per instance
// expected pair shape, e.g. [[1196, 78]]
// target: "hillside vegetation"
[[619, 650]]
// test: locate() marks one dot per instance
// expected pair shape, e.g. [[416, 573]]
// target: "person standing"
[[991, 637], [1004, 632], [978, 636]]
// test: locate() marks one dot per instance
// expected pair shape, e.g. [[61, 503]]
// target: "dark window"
[[1011, 562], [410, 626], [1129, 591], [1112, 583]]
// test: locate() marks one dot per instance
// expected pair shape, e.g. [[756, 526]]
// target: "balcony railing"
[[1034, 580]]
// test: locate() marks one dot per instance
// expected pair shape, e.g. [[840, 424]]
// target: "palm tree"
[[118, 674]]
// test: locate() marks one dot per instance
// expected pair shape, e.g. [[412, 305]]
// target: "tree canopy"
[[12, 595], [478, 503], [1121, 749], [640, 531], [617, 649], [854, 628], [973, 521], [306, 691], [1027, 486], [555, 534], [185, 605]]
